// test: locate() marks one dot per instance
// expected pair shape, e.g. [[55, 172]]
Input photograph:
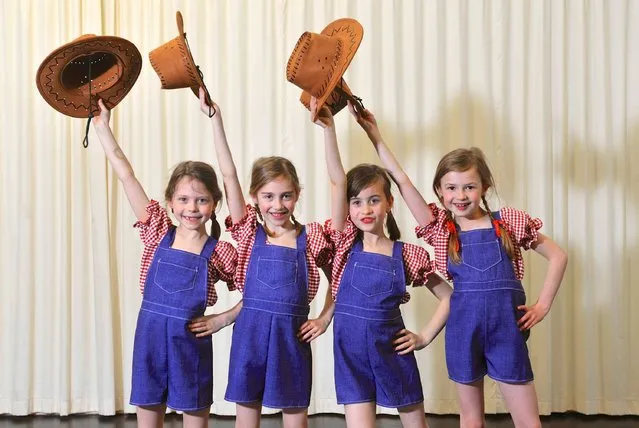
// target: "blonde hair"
[[461, 160], [269, 168]]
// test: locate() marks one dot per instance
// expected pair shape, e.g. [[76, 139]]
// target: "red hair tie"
[[452, 229], [496, 224]]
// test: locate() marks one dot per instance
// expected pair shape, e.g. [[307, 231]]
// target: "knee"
[[472, 422], [533, 424]]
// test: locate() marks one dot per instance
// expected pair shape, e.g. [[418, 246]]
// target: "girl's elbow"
[[229, 174], [127, 177], [562, 257]]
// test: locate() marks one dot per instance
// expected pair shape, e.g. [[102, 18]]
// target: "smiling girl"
[[373, 350], [172, 351], [277, 273], [479, 250]]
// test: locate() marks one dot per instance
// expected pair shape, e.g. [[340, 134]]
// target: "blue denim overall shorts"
[[367, 318], [482, 336], [267, 362], [170, 364]]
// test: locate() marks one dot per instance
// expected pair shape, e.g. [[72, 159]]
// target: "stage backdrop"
[[548, 89]]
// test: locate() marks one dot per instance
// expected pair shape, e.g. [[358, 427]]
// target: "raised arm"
[[557, 262], [339, 204], [233, 190], [120, 164], [414, 199]]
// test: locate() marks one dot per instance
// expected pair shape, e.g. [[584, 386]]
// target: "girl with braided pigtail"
[[181, 263], [374, 358], [480, 252], [278, 262]]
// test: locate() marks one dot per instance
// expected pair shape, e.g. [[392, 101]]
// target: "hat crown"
[[99, 70], [175, 66], [313, 62], [319, 61]]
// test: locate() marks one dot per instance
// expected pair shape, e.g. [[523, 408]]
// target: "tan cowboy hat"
[[175, 66], [319, 61], [74, 76]]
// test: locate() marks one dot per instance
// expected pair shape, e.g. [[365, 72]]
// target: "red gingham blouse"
[[417, 263], [319, 251], [521, 227], [221, 264]]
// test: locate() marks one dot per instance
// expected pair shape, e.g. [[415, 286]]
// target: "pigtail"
[[501, 231], [216, 230], [391, 225], [453, 239], [259, 214], [298, 225], [266, 229]]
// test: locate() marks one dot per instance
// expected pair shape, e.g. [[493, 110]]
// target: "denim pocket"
[[276, 273], [174, 278], [481, 256], [371, 280]]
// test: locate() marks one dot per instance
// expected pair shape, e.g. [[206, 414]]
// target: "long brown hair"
[[365, 175], [267, 169], [204, 173], [460, 160]]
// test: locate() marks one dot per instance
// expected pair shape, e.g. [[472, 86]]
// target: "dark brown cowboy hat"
[[175, 66], [74, 76], [319, 61]]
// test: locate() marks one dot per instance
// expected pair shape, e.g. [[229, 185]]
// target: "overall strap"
[[209, 247], [260, 235], [397, 250], [358, 246], [301, 240], [168, 238]]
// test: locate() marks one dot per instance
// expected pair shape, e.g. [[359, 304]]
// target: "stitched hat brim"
[[74, 102]]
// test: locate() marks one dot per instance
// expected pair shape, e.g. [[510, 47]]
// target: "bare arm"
[[313, 328], [233, 190], [209, 324], [414, 199], [557, 262], [120, 164], [407, 341], [442, 290], [339, 204]]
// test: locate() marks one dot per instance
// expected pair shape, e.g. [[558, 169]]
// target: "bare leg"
[[151, 416], [471, 404], [198, 419], [248, 415], [521, 400], [413, 416], [295, 418], [360, 415]]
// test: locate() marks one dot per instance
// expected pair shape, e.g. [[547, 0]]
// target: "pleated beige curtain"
[[548, 89]]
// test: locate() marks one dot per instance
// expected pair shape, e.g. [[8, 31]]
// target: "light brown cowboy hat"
[[319, 61], [75, 75], [175, 66]]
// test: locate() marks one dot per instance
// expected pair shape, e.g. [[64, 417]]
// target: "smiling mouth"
[[279, 214], [368, 220], [462, 207]]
